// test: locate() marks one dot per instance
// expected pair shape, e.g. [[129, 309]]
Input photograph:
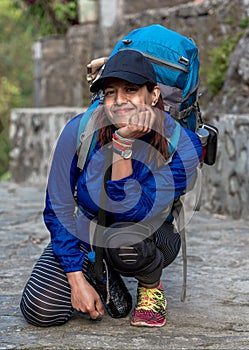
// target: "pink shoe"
[[150, 310]]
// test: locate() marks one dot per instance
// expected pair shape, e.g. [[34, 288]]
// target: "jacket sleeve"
[[60, 205], [147, 192]]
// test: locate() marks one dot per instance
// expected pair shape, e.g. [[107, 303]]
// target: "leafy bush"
[[244, 22], [15, 69], [219, 58], [52, 16], [9, 95]]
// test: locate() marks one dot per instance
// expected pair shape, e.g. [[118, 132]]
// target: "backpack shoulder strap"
[[86, 137], [173, 142]]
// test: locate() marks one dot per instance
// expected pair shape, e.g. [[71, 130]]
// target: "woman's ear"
[[155, 95]]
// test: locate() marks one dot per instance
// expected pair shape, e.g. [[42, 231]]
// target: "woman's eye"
[[109, 92], [131, 89]]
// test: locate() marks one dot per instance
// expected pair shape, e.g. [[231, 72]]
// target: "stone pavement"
[[215, 314]]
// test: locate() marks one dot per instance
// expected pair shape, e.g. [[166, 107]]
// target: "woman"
[[145, 180]]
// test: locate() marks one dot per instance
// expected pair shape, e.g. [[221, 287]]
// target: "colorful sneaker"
[[150, 310]]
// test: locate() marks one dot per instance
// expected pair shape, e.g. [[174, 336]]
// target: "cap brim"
[[128, 76]]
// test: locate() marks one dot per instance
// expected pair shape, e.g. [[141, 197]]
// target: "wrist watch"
[[126, 154]]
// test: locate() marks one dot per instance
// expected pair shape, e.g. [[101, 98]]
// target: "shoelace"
[[150, 299]]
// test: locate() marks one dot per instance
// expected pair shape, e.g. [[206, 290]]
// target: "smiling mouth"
[[122, 111]]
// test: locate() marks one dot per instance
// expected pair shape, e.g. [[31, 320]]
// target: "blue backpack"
[[176, 63]]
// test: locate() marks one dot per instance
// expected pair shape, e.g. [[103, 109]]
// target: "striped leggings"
[[46, 299]]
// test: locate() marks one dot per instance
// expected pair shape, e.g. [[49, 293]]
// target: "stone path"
[[215, 314]]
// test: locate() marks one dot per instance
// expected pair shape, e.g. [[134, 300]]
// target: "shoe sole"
[[144, 324]]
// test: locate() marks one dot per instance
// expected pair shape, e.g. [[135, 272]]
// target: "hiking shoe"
[[113, 292], [150, 310]]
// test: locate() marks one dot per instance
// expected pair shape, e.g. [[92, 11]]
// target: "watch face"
[[127, 154]]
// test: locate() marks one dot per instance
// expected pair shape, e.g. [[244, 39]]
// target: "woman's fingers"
[[97, 312], [99, 308], [140, 122], [84, 297], [143, 119]]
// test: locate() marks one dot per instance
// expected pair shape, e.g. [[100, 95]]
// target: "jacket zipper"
[[161, 62]]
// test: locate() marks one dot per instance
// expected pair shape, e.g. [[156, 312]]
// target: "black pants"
[[46, 299]]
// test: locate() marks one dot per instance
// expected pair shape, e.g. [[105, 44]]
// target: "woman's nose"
[[120, 96]]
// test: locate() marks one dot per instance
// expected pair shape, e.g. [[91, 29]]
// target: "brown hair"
[[158, 140]]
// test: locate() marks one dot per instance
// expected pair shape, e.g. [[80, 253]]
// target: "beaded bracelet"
[[124, 145], [123, 139], [120, 146]]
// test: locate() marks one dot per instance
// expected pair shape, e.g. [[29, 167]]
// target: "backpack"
[[176, 63]]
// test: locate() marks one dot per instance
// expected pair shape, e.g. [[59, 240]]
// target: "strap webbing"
[[174, 139], [178, 214], [86, 138], [102, 219]]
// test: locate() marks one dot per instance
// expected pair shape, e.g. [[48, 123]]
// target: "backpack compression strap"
[[178, 214]]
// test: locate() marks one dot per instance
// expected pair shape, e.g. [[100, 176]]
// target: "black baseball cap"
[[129, 65]]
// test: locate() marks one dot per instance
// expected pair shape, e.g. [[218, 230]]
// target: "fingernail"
[[99, 318]]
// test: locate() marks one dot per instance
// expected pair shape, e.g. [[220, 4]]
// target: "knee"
[[38, 313], [137, 260]]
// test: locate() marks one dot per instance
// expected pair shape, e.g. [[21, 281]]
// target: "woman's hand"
[[84, 297], [139, 124]]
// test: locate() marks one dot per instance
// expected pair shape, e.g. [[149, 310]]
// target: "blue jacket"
[[141, 196]]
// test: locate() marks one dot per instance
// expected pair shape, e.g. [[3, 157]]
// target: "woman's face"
[[123, 99]]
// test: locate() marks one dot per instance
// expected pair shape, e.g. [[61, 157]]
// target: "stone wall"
[[33, 134], [131, 6], [225, 185], [59, 67], [234, 96]]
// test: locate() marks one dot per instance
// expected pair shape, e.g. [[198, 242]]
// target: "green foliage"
[[244, 22], [15, 69], [38, 20], [51, 16], [65, 12], [10, 96], [6, 176], [229, 20], [219, 58]]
